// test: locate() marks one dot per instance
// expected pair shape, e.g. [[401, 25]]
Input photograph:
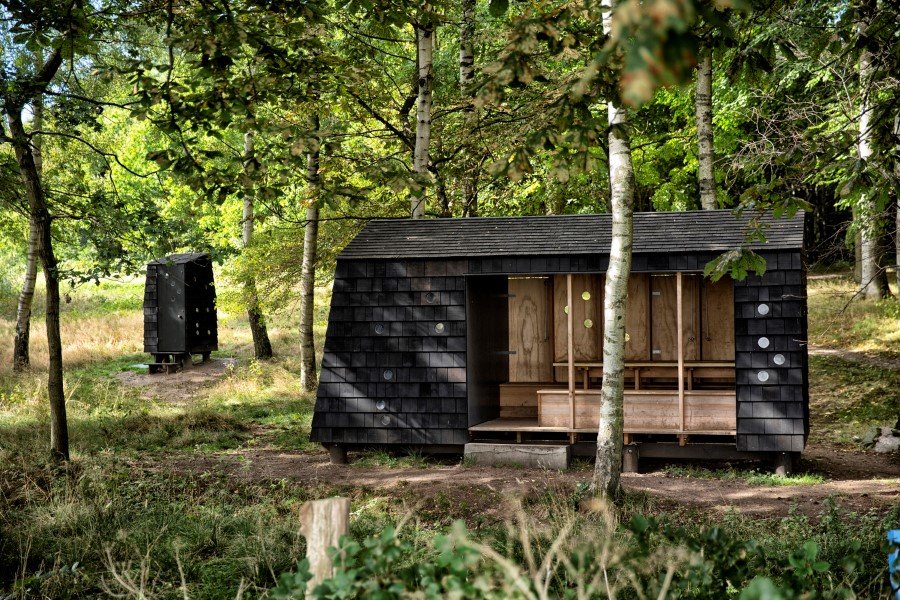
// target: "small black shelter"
[[180, 308], [447, 331]]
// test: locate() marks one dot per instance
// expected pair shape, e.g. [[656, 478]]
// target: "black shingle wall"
[[772, 398], [383, 318], [394, 365], [151, 311]]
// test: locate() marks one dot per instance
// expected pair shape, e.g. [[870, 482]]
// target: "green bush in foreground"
[[647, 561]]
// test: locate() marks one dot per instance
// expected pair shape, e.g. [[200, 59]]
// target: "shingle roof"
[[654, 232], [180, 258]]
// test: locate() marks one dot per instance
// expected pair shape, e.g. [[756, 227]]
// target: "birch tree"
[[873, 279], [706, 154], [21, 343], [621, 180], [39, 216], [424, 54], [262, 346], [466, 77], [308, 379]]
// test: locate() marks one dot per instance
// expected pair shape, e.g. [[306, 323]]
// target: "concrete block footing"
[[541, 456]]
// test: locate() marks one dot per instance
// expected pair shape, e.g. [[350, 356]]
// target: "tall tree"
[[704, 113], [308, 377], [621, 181], [873, 278], [21, 344], [466, 77], [424, 60], [262, 346], [27, 90]]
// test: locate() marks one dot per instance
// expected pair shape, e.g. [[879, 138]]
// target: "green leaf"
[[498, 8]]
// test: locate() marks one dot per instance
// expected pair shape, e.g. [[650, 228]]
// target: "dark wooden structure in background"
[[443, 332], [179, 310]]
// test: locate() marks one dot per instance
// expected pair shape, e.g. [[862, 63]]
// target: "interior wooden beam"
[[679, 325], [570, 332]]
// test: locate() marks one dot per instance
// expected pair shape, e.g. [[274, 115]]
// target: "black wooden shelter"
[[180, 309], [442, 332]]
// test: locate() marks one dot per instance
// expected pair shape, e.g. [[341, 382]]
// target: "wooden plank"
[[717, 309], [529, 330], [520, 400], [680, 314], [570, 355], [663, 323], [637, 317], [586, 340], [690, 316]]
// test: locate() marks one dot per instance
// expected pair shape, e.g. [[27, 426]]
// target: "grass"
[[858, 325], [122, 508], [750, 477]]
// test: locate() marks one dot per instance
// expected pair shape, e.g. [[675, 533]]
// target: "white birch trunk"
[[22, 341], [40, 215], [872, 278], [466, 75], [621, 177], [897, 211], [704, 114], [262, 346], [424, 51], [308, 378]]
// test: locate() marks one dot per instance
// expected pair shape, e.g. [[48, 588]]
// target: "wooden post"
[[322, 523], [570, 331], [679, 325]]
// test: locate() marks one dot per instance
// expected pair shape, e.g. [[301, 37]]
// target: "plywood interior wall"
[[530, 330], [637, 319], [663, 317], [587, 340], [717, 308]]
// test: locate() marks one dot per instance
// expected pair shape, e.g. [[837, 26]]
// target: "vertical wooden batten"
[[570, 332], [680, 328]]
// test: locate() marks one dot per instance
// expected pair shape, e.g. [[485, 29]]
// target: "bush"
[[644, 560]]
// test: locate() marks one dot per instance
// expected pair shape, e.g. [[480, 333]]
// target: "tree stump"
[[322, 523]]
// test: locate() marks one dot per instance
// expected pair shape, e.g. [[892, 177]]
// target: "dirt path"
[[858, 481], [883, 362], [178, 387]]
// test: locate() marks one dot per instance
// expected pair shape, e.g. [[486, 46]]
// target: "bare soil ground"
[[178, 387], [856, 480], [883, 362]]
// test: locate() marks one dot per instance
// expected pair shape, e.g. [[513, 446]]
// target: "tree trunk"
[[873, 279], [897, 208], [466, 75], [621, 177], [21, 344], [308, 379], [703, 101], [21, 355], [40, 216], [262, 346], [424, 49]]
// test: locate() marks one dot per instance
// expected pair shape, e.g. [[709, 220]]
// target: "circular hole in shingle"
[[379, 328], [778, 359], [763, 309], [196, 310], [439, 328], [763, 342], [585, 296], [385, 420], [430, 297], [763, 376], [380, 405], [588, 323], [208, 332], [388, 374]]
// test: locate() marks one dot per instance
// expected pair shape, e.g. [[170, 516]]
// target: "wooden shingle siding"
[[772, 414], [394, 365]]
